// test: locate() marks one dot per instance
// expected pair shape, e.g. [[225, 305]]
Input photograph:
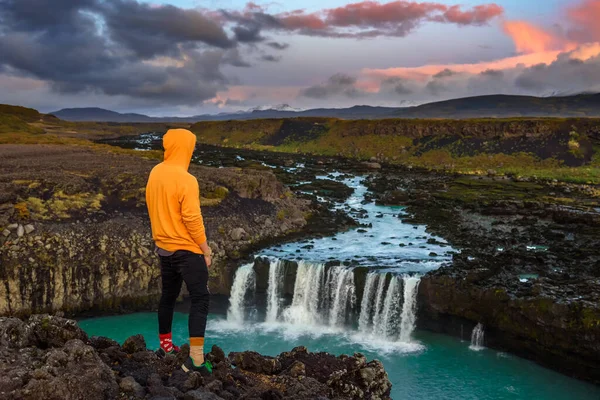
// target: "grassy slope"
[[20, 125], [550, 148]]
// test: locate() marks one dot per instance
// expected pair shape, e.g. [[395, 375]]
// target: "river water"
[[336, 309]]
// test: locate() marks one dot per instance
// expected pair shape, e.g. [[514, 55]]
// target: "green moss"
[[61, 205], [22, 211], [590, 318], [281, 214]]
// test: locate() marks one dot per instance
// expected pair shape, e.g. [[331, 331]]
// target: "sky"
[[190, 57]]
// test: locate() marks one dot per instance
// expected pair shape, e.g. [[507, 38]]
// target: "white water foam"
[[477, 338], [324, 302], [305, 303], [275, 288], [366, 305], [244, 280], [409, 307]]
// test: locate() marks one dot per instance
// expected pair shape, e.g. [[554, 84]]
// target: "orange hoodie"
[[173, 196]]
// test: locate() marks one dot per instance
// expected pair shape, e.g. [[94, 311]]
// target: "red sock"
[[166, 342]]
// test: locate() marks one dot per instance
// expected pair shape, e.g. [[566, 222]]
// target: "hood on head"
[[179, 145]]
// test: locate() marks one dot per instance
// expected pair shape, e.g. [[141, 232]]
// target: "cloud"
[[529, 38], [271, 58], [160, 54], [365, 19], [584, 18], [396, 85], [148, 30], [278, 46], [445, 73], [337, 85]]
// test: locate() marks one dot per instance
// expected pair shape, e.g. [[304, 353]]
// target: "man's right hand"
[[208, 260]]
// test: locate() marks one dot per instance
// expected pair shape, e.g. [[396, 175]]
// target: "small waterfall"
[[344, 296], [305, 303], [326, 296], [243, 281], [366, 305], [379, 296], [275, 288], [388, 321], [477, 338], [409, 307]]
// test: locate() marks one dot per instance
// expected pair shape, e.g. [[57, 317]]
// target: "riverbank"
[[527, 269]]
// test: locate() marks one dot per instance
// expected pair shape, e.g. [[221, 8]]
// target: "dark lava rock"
[[99, 368], [254, 362], [134, 344]]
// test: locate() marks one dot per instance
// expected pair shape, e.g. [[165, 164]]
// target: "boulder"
[[237, 233]]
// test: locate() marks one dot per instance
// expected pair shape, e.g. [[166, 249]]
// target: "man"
[[173, 201]]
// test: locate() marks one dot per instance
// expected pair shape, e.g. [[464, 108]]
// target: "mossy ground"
[[567, 150]]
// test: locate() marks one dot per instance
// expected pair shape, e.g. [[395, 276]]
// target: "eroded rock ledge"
[[75, 235], [47, 357]]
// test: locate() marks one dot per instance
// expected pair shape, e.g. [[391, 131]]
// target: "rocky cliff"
[[46, 357], [75, 236], [528, 267], [417, 141]]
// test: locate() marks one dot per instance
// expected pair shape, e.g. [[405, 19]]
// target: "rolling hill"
[[492, 106]]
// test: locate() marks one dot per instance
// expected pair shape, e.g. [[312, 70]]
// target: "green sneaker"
[[205, 368], [161, 353]]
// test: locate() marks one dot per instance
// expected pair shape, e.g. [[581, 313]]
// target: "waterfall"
[[275, 287], [388, 320], [379, 296], [243, 281], [326, 296], [366, 305], [305, 303], [409, 307], [477, 338], [343, 296]]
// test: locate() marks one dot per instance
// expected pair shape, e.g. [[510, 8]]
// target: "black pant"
[[189, 267]]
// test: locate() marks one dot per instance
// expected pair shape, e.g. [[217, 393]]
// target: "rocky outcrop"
[[51, 358], [527, 268], [551, 330], [76, 235]]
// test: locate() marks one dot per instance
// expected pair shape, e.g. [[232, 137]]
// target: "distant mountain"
[[99, 114], [492, 106], [496, 106]]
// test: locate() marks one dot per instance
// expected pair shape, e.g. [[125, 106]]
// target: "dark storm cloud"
[[396, 85], [492, 73], [338, 84], [446, 73], [278, 46], [248, 34], [149, 31], [271, 58], [110, 47]]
